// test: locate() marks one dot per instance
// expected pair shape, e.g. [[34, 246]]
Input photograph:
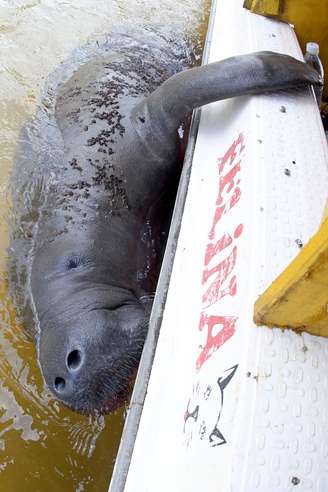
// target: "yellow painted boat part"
[[298, 298], [309, 17], [264, 7]]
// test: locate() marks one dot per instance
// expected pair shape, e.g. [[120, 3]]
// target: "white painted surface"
[[274, 415]]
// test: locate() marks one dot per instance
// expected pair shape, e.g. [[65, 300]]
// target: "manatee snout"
[[88, 362]]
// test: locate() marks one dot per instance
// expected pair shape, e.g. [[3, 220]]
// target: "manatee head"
[[92, 323]]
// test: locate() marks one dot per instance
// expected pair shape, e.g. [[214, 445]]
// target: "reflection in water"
[[43, 445]]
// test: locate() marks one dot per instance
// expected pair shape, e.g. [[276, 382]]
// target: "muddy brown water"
[[43, 445]]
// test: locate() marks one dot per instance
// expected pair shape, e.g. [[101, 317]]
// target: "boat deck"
[[231, 406]]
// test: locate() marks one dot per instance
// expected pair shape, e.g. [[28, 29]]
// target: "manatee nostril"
[[60, 384], [74, 360]]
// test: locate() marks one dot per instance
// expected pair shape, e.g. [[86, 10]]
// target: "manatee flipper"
[[158, 116]]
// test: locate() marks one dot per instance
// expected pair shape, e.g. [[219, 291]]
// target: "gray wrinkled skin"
[[93, 191]]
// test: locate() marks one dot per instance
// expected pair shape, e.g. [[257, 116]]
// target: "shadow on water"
[[43, 445]]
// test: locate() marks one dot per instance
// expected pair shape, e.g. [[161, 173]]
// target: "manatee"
[[93, 189]]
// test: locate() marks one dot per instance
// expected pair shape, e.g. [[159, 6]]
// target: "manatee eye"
[[71, 264], [74, 261]]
